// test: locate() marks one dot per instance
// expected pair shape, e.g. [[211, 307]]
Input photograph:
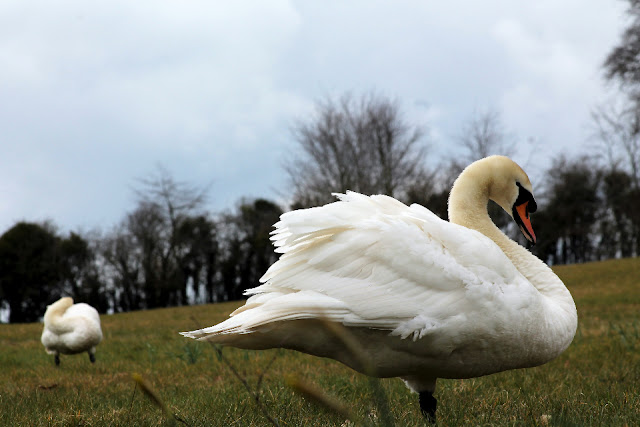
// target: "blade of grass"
[[255, 395], [318, 396], [153, 396]]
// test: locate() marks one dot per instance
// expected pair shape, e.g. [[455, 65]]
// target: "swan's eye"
[[525, 195]]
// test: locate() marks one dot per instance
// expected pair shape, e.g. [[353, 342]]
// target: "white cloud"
[[95, 94], [556, 71]]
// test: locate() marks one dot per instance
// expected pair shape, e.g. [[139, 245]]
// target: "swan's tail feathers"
[[232, 333], [267, 315], [213, 334]]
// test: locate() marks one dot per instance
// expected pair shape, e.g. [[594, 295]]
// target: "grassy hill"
[[595, 382]]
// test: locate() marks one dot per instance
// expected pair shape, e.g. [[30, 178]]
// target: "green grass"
[[595, 382]]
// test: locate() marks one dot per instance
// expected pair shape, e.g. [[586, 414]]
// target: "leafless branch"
[[484, 135], [361, 144]]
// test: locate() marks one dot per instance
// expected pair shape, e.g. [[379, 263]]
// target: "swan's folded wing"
[[374, 262]]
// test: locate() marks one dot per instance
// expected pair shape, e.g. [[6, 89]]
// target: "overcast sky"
[[94, 95]]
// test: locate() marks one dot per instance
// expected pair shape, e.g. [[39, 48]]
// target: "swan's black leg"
[[428, 405], [92, 357], [57, 359]]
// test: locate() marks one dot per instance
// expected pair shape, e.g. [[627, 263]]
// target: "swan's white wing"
[[374, 262]]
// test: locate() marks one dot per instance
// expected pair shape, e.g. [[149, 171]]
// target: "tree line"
[[168, 250]]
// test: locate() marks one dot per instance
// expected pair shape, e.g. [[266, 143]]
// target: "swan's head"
[[511, 189], [501, 179]]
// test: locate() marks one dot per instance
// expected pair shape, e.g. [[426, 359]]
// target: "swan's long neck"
[[468, 207], [53, 316]]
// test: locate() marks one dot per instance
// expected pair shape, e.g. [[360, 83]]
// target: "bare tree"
[[483, 135], [618, 126], [151, 253], [123, 269], [175, 198], [617, 134], [361, 144], [623, 62]]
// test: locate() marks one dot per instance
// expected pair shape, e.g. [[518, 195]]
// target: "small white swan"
[[424, 298], [70, 329]]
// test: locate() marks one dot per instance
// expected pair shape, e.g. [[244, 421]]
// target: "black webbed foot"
[[57, 360], [92, 357]]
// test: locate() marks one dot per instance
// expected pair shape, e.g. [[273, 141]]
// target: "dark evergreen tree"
[[567, 219], [30, 270], [248, 251]]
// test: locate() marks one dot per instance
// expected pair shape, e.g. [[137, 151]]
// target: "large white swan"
[[70, 329], [424, 298]]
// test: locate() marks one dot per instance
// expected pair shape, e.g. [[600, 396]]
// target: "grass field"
[[595, 382]]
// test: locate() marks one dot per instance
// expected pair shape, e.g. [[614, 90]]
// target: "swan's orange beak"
[[524, 222]]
